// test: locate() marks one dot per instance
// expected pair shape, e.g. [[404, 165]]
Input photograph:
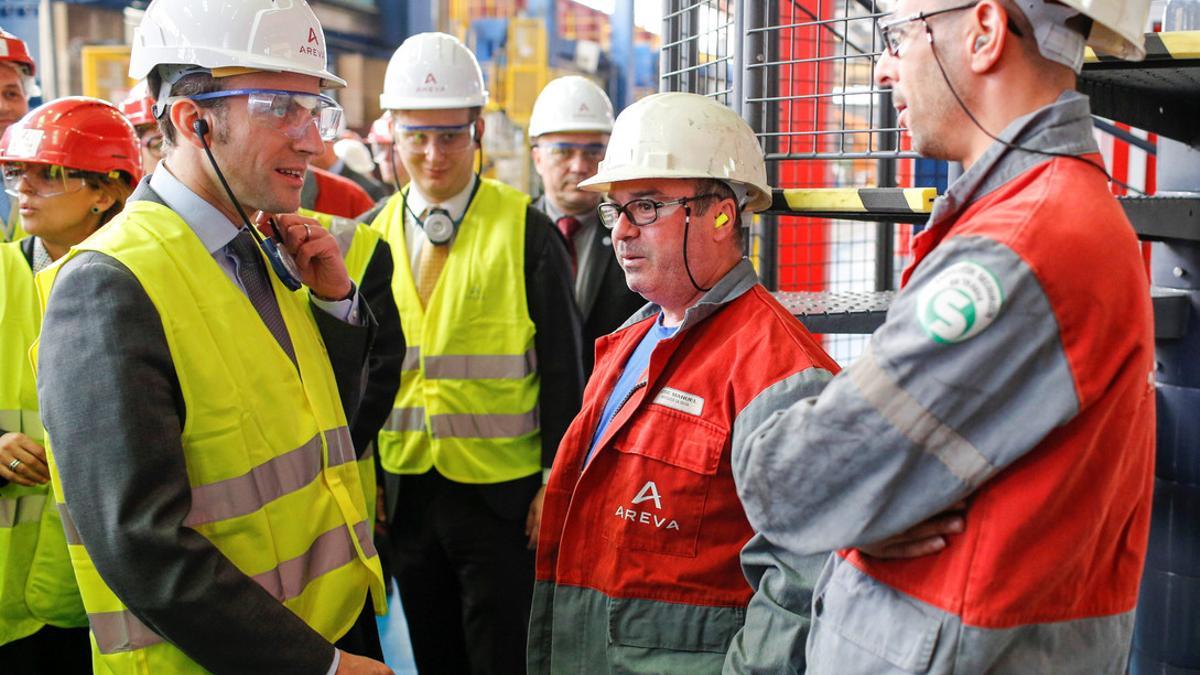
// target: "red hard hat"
[[138, 106], [15, 50], [77, 132], [381, 130]]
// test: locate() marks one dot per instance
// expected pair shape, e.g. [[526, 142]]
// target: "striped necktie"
[[253, 274]]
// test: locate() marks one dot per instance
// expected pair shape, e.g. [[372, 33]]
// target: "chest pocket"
[[665, 465]]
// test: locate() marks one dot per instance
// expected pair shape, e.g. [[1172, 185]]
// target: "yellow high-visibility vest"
[[468, 399], [10, 228], [37, 586], [231, 368], [357, 243]]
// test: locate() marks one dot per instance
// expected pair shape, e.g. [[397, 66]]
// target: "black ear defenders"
[[200, 126]]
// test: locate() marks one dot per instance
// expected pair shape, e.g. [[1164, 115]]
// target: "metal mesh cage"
[[801, 72], [698, 48]]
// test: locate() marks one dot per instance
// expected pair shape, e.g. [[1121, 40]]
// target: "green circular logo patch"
[[960, 302]]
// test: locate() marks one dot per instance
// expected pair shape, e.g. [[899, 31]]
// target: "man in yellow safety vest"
[[195, 394]]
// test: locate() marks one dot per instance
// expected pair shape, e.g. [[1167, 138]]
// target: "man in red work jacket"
[[330, 193], [637, 566], [1010, 373]]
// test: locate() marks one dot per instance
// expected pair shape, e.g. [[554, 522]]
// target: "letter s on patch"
[[960, 302]]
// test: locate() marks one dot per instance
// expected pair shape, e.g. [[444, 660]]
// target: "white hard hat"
[[431, 71], [271, 35], [680, 135], [571, 104], [355, 155], [1117, 28]]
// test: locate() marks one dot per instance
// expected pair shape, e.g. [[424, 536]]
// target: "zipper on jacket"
[[616, 412]]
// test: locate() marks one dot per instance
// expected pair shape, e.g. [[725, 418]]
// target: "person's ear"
[[724, 216], [188, 122], [479, 128], [986, 35], [101, 202]]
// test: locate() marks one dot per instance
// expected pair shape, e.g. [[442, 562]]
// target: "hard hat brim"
[[756, 199]]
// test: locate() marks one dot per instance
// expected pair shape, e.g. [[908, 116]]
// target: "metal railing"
[[802, 74]]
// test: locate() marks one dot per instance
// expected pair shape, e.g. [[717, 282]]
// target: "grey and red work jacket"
[[1015, 370], [637, 564]]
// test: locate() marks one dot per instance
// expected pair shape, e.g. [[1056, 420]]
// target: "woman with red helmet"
[[138, 106], [69, 165]]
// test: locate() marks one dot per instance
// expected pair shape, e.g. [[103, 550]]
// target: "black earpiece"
[[200, 126]]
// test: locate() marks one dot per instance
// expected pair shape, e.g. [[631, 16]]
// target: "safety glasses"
[[416, 139], [564, 152], [43, 180], [291, 112], [895, 32], [153, 143], [643, 211]]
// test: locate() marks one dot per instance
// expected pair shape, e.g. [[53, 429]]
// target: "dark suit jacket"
[[111, 401], [612, 303]]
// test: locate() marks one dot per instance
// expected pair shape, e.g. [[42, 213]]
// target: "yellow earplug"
[[720, 221]]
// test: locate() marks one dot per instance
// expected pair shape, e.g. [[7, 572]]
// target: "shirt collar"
[[732, 286], [1064, 126], [41, 257], [586, 219], [456, 205], [211, 226]]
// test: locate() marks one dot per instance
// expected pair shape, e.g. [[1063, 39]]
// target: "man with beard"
[[1008, 374]]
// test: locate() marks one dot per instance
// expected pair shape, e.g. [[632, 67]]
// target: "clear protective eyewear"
[[895, 32], [561, 153], [642, 211], [290, 112], [381, 152], [43, 180], [153, 143], [415, 139]]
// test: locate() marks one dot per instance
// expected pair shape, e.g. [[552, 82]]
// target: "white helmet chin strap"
[[1056, 40], [739, 192]]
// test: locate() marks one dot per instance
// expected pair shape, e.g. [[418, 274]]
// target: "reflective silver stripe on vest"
[[480, 367], [69, 529], [412, 359], [917, 423], [10, 420], [343, 230], [268, 481], [121, 632], [20, 510], [341, 446], [484, 426], [369, 453], [406, 419], [328, 552]]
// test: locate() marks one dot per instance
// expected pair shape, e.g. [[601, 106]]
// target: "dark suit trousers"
[[363, 637], [50, 651], [464, 571]]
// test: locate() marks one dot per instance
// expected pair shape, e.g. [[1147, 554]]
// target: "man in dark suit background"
[[571, 120]]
